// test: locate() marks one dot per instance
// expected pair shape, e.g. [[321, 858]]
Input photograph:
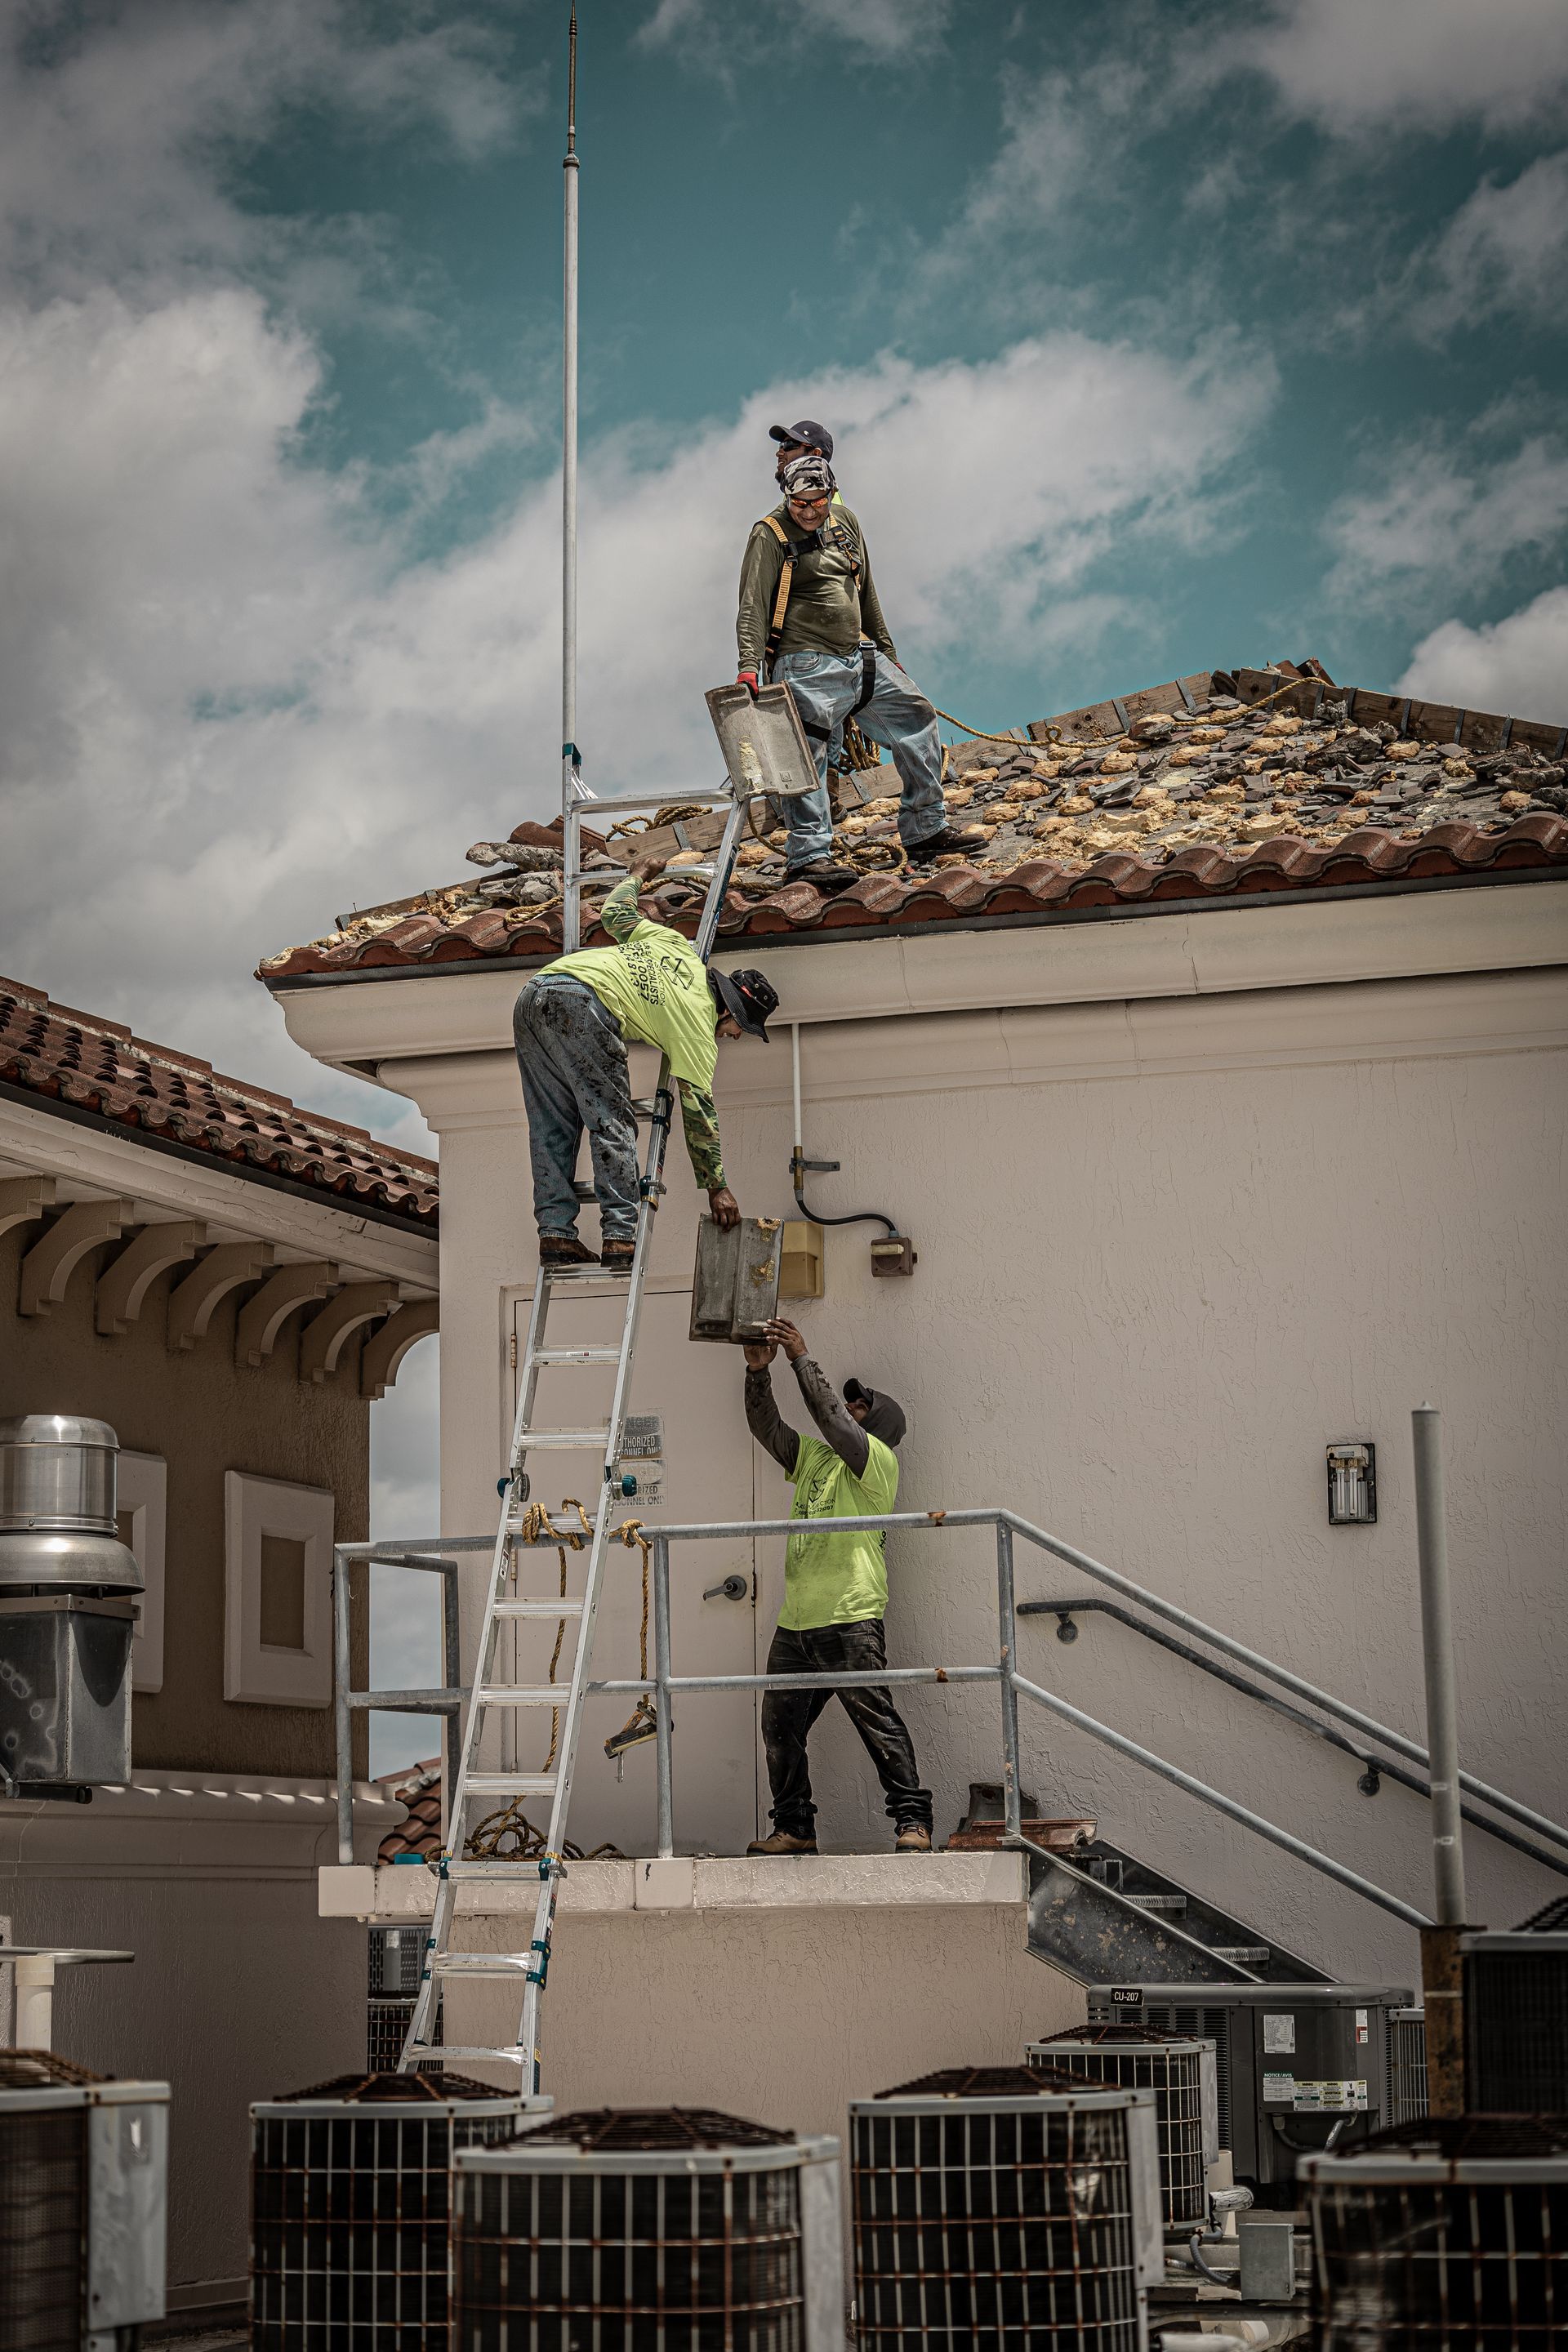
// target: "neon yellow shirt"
[[837, 1579], [655, 984]]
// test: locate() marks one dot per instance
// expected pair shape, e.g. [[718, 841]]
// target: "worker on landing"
[[571, 1025], [809, 618], [835, 1591]]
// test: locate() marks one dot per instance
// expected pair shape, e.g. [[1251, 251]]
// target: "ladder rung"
[[720, 796], [514, 2057], [509, 1784], [560, 1441], [587, 1274], [522, 1694], [575, 1356], [482, 1964], [494, 1870], [571, 1606], [1242, 1952]]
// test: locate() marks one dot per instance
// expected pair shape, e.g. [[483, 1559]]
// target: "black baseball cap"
[[813, 436], [748, 997]]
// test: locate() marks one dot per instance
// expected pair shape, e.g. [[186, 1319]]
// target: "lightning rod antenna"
[[572, 789]]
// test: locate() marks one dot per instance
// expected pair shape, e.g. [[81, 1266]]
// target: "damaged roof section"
[[1222, 785], [97, 1070]]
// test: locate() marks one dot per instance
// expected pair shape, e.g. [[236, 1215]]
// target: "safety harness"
[[844, 541]]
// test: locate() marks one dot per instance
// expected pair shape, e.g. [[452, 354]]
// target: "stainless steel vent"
[[661, 2230], [349, 2209], [1005, 2206], [1450, 2234], [1182, 2075]]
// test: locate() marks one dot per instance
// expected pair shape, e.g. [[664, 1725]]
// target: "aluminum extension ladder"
[[765, 752]]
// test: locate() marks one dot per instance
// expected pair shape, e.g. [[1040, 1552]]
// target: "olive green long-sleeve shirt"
[[829, 611]]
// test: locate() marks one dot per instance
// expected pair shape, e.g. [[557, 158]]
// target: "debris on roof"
[[96, 1068], [1216, 785]]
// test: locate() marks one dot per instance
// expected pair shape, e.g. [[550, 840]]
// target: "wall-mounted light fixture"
[[1353, 1484]]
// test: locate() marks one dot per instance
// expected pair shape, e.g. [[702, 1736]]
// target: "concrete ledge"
[[702, 1882]]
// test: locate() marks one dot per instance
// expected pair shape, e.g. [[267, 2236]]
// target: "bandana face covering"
[[807, 478]]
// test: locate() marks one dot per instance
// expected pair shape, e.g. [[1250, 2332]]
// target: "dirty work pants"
[[788, 1716], [825, 687], [574, 1072]]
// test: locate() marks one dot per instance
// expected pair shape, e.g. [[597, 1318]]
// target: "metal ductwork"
[[66, 1609]]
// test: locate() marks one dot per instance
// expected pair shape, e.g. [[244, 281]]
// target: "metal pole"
[[452, 1648], [1441, 1973], [663, 1744], [571, 758], [1008, 1629], [342, 1678]]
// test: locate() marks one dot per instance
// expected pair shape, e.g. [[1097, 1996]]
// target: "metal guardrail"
[[439, 1553], [1376, 1768]]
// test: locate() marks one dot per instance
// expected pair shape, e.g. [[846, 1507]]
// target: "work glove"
[[748, 679]]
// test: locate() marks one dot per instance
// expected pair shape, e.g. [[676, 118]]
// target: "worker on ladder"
[[835, 1591], [571, 1025], [810, 619]]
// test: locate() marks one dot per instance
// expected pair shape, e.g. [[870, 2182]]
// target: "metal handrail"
[[428, 1551], [1377, 1767]]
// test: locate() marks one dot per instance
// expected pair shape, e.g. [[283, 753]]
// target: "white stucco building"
[[1208, 1165]]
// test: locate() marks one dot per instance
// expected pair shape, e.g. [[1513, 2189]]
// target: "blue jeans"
[[576, 1075], [826, 687]]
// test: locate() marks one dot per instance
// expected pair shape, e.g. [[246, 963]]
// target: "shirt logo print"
[[648, 970]]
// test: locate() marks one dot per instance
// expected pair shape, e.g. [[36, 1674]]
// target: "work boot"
[[615, 1256], [953, 841], [781, 1842], [916, 1839], [565, 1249], [823, 875]]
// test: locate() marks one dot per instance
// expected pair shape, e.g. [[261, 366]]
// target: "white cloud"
[[1442, 515], [116, 125], [235, 706], [710, 32], [1518, 666], [1418, 65], [1506, 249]]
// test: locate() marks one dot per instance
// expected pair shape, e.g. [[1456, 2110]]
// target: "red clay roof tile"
[[455, 926], [52, 1052]]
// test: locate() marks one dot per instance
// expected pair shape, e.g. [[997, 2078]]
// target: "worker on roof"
[[810, 618], [835, 1591], [572, 1025]]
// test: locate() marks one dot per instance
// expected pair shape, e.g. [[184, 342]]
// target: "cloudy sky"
[[1156, 336]]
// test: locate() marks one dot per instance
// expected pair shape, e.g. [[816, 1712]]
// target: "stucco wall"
[[205, 1414], [782, 2015], [238, 1990], [1194, 1196], [1168, 1250]]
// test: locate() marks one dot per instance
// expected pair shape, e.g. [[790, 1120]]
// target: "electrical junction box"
[[1293, 2061], [735, 1288], [800, 1259], [897, 1254]]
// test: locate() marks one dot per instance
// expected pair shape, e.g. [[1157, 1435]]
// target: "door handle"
[[735, 1587]]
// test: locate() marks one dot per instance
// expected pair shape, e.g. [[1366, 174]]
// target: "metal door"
[[699, 1392]]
